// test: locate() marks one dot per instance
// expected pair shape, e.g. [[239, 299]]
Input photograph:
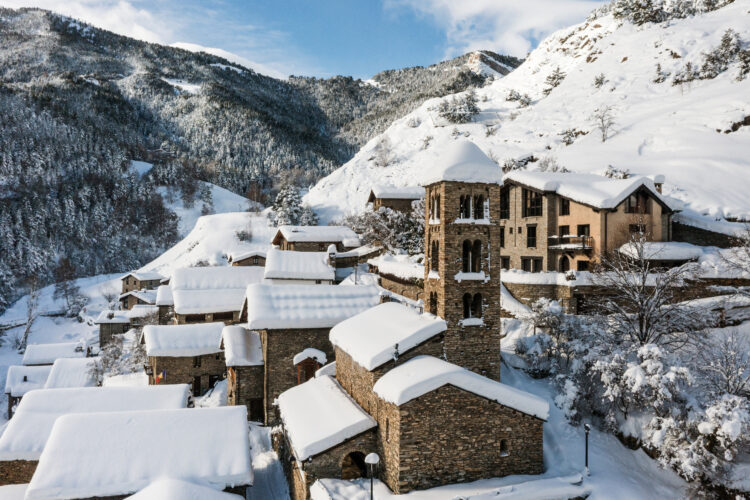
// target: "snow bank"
[[107, 454], [389, 192], [183, 340], [71, 372], [306, 306], [401, 266], [242, 347], [178, 489], [13, 491], [424, 374], [183, 86], [372, 337], [135, 379], [663, 250], [200, 290], [22, 379], [282, 264], [27, 431], [46, 354], [318, 234], [463, 161], [336, 417], [308, 353], [510, 304]]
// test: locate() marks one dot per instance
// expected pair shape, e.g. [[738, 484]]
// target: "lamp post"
[[372, 461], [587, 428]]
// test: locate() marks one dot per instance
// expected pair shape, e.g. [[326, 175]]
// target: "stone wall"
[[245, 387], [310, 246], [255, 260], [702, 237], [17, 471], [279, 349], [228, 318], [180, 370], [400, 286], [107, 330], [397, 204], [166, 315]]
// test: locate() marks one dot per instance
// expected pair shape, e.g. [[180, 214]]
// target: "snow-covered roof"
[[359, 251], [164, 296], [242, 347], [247, 254], [36, 377], [371, 337], [71, 372], [315, 234], [282, 264], [663, 250], [388, 192], [27, 431], [424, 374], [401, 266], [126, 316], [178, 489], [336, 417], [143, 275], [119, 453], [463, 161], [46, 354], [590, 189], [147, 296], [200, 290], [306, 306], [329, 369], [183, 340], [310, 352]]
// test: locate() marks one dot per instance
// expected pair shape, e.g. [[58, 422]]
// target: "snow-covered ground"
[[661, 128]]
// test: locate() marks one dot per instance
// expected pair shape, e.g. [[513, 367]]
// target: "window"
[[464, 208], [637, 229], [532, 203], [510, 230], [584, 230], [472, 305], [583, 265], [531, 236], [638, 203], [476, 257], [195, 318], [502, 237], [479, 207], [196, 361], [536, 265], [564, 206], [196, 386], [224, 316], [467, 305], [505, 263], [435, 255], [256, 409], [466, 256], [435, 208], [212, 379], [255, 261], [471, 256], [532, 264], [505, 203], [563, 231], [526, 264], [504, 448], [322, 246], [433, 303], [387, 430], [306, 370]]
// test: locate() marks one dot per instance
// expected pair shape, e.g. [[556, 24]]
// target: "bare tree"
[[109, 295], [32, 312], [738, 257], [67, 288], [725, 363], [383, 152], [603, 119]]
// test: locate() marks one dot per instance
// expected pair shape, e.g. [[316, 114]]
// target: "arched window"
[[437, 207], [479, 207], [466, 256], [433, 303], [467, 305], [353, 466], [564, 266], [476, 256], [476, 306], [435, 255], [465, 204], [504, 448]]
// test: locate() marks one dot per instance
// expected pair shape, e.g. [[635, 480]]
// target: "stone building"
[[129, 300], [244, 360], [431, 422], [462, 255], [292, 318], [165, 303], [250, 258], [551, 221], [46, 354], [395, 198], [113, 323], [315, 238], [21, 379], [185, 354], [140, 280], [285, 267]]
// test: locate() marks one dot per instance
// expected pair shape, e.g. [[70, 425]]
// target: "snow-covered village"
[[516, 268]]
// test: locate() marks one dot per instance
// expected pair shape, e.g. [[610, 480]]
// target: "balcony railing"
[[571, 243]]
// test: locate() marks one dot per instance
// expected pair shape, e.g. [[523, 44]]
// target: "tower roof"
[[463, 161]]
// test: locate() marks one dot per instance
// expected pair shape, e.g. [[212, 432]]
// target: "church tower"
[[462, 249]]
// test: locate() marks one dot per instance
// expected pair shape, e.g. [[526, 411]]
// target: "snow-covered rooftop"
[[310, 353], [71, 372], [282, 264], [401, 266], [179, 489], [143, 275], [359, 251], [424, 374], [126, 316], [315, 234], [389, 192], [306, 306], [336, 417], [241, 346], [119, 453], [664, 250], [46, 354], [242, 255], [164, 296], [199, 290], [370, 337], [463, 161], [27, 431], [590, 189], [183, 340], [147, 296], [35, 378]]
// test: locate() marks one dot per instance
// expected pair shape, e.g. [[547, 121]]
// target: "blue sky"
[[328, 37]]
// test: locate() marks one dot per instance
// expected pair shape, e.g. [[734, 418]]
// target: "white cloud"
[[507, 26]]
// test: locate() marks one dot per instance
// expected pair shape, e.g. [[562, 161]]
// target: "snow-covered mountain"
[[684, 131]]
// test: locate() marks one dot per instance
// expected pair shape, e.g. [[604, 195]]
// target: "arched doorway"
[[564, 264], [353, 466]]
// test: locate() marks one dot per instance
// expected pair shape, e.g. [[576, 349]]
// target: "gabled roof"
[[46, 354], [147, 296], [125, 317], [178, 489], [242, 347], [305, 306], [36, 377], [463, 161], [143, 275], [386, 192], [316, 234], [182, 340], [372, 337], [247, 254], [282, 264], [67, 372], [593, 190], [335, 419], [200, 290], [424, 374], [119, 453]]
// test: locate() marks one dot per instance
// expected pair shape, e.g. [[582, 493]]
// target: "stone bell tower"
[[462, 249]]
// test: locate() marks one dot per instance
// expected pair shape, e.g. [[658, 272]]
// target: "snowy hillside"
[[661, 128]]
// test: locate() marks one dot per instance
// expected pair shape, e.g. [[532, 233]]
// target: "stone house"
[[140, 280], [292, 318], [129, 300], [551, 221], [21, 379], [285, 267], [165, 303], [243, 354], [351, 258], [400, 275], [46, 354], [113, 323], [315, 238], [185, 354], [251, 258], [395, 198]]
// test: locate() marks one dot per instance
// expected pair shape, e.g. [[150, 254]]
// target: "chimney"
[[332, 255], [658, 181]]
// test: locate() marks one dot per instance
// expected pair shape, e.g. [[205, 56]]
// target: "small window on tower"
[[504, 448]]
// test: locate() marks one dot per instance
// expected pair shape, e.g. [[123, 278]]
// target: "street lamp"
[[587, 428], [372, 461]]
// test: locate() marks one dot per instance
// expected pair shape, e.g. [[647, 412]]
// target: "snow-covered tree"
[[600, 80], [66, 287], [398, 232], [383, 153], [288, 209], [554, 80], [724, 363], [459, 109]]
